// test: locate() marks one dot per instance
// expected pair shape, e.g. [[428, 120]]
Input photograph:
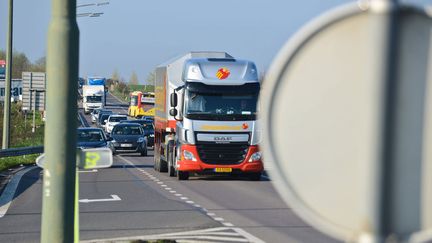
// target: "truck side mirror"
[[173, 112], [173, 100]]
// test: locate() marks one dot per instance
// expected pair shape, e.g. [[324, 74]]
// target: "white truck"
[[205, 116], [93, 97]]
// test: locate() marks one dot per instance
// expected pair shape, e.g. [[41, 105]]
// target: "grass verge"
[[22, 135]]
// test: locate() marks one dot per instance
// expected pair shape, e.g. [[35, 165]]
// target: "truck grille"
[[222, 154]]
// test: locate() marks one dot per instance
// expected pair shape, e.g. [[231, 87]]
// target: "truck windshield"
[[94, 99], [226, 107], [134, 100]]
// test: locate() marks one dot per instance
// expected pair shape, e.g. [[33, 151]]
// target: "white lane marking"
[[190, 202], [168, 188], [228, 224], [219, 219], [88, 171], [248, 236], [206, 238], [220, 234], [184, 198], [163, 185], [172, 191], [197, 205], [160, 183], [113, 198], [6, 197]]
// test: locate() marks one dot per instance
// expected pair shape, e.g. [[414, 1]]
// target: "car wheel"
[[182, 175], [144, 152]]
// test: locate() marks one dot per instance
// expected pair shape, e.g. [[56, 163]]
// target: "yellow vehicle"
[[141, 104]]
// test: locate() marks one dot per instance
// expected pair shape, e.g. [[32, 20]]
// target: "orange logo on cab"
[[223, 73], [245, 126]]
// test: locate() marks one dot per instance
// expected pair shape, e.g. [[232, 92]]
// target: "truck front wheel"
[[182, 175]]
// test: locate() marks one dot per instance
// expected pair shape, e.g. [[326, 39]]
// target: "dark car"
[[129, 137], [148, 128], [90, 137]]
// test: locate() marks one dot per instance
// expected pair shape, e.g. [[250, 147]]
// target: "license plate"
[[223, 170], [126, 145]]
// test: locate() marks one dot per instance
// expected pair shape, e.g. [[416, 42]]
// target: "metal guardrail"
[[35, 149], [21, 151]]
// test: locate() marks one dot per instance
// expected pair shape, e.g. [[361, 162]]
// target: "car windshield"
[[90, 136], [127, 130], [117, 118]]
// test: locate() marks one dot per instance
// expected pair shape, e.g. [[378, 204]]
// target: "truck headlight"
[[255, 157], [188, 155]]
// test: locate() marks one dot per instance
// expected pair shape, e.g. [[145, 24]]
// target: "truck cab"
[[93, 97], [214, 126]]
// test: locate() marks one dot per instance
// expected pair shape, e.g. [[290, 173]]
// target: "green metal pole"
[[60, 133], [8, 81], [76, 226]]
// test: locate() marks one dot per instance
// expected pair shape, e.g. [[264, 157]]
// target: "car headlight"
[[255, 157], [140, 140], [188, 155]]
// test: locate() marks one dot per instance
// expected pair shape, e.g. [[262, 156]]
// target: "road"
[[131, 199]]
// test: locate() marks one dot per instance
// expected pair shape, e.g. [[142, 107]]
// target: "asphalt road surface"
[[131, 200]]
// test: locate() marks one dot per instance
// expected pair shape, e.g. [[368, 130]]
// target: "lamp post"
[[91, 14], [8, 81]]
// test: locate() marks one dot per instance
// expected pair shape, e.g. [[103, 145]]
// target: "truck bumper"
[[199, 166]]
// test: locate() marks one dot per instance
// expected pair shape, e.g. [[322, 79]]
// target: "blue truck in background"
[[96, 81]]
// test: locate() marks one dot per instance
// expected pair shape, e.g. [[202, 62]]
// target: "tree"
[[151, 78], [39, 65], [115, 76], [20, 63], [133, 78]]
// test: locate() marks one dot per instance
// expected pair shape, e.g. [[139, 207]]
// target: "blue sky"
[[137, 35]]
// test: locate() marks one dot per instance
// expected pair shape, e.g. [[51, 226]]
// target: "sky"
[[137, 35]]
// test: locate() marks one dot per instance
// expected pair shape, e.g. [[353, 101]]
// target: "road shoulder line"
[[6, 197]]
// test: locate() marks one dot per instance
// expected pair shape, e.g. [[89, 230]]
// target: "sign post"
[[86, 159], [59, 177], [8, 81]]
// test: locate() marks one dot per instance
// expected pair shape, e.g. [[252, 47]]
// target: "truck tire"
[[163, 166], [171, 170], [156, 165], [182, 175], [255, 176]]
